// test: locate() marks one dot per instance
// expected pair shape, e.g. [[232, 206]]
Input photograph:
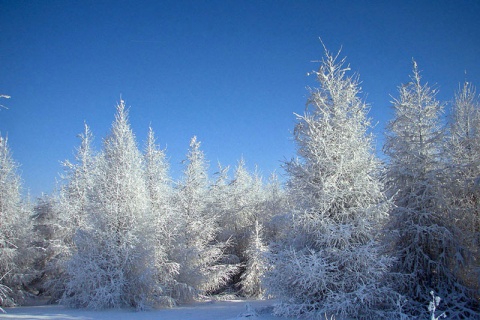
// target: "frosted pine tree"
[[463, 150], [270, 223], [423, 233], [70, 209], [330, 263], [200, 257], [244, 198], [251, 283], [220, 201], [274, 209], [113, 266], [463, 187], [79, 179], [159, 187], [15, 231]]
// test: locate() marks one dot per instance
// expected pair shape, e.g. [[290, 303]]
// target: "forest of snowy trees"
[[347, 235]]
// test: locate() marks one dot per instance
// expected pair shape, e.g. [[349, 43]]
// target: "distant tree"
[[45, 221], [242, 203], [330, 261], [423, 234], [463, 173], [270, 222], [274, 209], [112, 265], [245, 195], [199, 255], [220, 201], [15, 230]]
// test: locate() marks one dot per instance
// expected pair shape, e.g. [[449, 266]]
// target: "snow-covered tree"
[[245, 196], [242, 207], [159, 187], [198, 254], [157, 179], [44, 226], [79, 177], [274, 209], [113, 265], [256, 265], [15, 231], [220, 202], [330, 263], [463, 187], [69, 206], [424, 238]]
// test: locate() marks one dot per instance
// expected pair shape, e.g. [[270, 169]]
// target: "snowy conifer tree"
[[274, 209], [159, 187], [463, 187], [256, 265], [113, 266], [79, 177], [424, 241], [69, 207], [244, 197], [330, 263], [243, 208], [15, 231], [200, 257]]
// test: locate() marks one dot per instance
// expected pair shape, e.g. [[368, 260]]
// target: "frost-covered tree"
[[69, 206], [220, 202], [251, 283], [79, 179], [44, 226], [330, 262], [424, 238], [160, 193], [157, 178], [244, 196], [15, 232], [463, 187], [113, 266], [243, 208], [274, 208], [198, 254]]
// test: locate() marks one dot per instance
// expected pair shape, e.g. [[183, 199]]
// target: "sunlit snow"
[[218, 310]]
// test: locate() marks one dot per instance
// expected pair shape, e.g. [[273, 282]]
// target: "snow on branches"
[[331, 262]]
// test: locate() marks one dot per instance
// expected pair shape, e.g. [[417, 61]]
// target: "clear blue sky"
[[231, 72]]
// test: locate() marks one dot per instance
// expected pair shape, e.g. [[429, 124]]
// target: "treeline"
[[346, 236], [119, 232]]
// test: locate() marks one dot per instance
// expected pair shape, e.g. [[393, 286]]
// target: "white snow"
[[212, 310]]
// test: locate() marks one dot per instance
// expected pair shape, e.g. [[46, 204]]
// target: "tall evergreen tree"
[[330, 262], [112, 265], [199, 255], [15, 231], [424, 237], [463, 187], [69, 208], [159, 187]]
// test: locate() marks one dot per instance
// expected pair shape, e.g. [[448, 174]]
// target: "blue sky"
[[231, 72]]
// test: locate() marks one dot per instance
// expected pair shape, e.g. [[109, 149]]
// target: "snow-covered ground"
[[215, 310]]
